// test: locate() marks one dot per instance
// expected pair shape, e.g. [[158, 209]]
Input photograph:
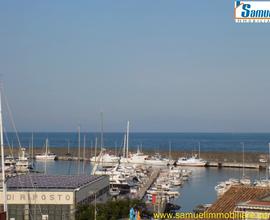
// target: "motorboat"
[[114, 191], [106, 158], [23, 164], [193, 161], [44, 156], [10, 164], [156, 160], [47, 155], [137, 158], [245, 181]]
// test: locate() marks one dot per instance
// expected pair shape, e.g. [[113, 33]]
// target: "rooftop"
[[42, 181], [236, 195]]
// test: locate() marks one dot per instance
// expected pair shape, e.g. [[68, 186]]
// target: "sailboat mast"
[[267, 168], [46, 155], [79, 148], [124, 148], [83, 152], [127, 138], [243, 149], [3, 159], [170, 150], [199, 149], [96, 150], [32, 145], [101, 133]]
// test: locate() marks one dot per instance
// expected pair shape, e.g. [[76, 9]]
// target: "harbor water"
[[199, 189]]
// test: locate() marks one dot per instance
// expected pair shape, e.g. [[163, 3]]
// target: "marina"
[[202, 179]]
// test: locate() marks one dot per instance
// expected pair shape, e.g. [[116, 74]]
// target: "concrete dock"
[[237, 165], [147, 185]]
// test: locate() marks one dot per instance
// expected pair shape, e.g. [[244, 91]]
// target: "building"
[[258, 208], [42, 197], [242, 199]]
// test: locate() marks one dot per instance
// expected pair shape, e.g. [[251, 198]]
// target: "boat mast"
[[127, 138], [96, 149], [170, 150], [199, 149], [79, 148], [267, 168], [124, 148], [243, 150], [32, 145], [101, 133], [3, 160], [46, 155], [83, 152]]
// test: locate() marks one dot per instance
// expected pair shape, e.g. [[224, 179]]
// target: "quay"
[[146, 186], [209, 164], [237, 165]]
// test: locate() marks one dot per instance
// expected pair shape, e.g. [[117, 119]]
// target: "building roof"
[[236, 195], [42, 181]]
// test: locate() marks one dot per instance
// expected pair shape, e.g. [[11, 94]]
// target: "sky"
[[167, 66]]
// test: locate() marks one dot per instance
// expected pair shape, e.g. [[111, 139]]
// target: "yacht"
[[137, 158], [23, 164], [44, 156], [47, 155], [157, 160], [192, 161], [10, 163], [106, 158], [114, 191]]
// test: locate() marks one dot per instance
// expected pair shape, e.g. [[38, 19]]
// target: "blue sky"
[[164, 65]]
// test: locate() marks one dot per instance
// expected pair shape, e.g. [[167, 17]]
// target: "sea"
[[200, 187], [209, 142]]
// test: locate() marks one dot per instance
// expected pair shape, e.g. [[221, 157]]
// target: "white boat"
[[47, 155], [262, 183], [223, 187], [114, 191], [106, 158], [192, 161], [23, 164], [176, 182], [261, 160], [137, 158], [245, 181], [157, 160], [10, 164]]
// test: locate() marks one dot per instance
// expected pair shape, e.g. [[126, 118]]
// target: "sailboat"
[[244, 180], [47, 155]]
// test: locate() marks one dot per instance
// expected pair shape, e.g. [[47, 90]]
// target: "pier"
[[237, 165], [146, 186]]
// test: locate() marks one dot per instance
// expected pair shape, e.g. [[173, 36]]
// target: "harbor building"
[[252, 201], [43, 197]]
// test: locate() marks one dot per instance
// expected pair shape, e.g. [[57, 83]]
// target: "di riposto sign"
[[57, 198], [252, 11]]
